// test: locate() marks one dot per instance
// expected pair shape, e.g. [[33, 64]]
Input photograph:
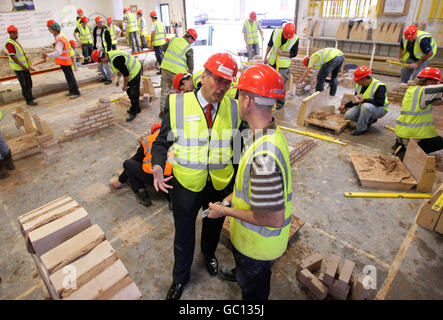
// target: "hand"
[[44, 56], [247, 46], [125, 87], [117, 83], [279, 51], [360, 99], [342, 107], [413, 65], [217, 211], [266, 61], [159, 179]]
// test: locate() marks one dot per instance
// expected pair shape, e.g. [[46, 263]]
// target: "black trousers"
[[87, 50], [331, 67], [70, 79], [24, 77], [133, 92], [186, 205], [114, 47], [431, 144], [138, 179]]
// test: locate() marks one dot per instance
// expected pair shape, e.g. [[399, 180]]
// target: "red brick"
[[318, 289], [311, 263], [331, 269]]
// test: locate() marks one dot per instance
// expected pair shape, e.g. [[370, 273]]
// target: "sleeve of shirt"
[[190, 59], [431, 94], [379, 97], [266, 185], [294, 50], [271, 42], [76, 30], [119, 64], [401, 43], [117, 29], [425, 45], [58, 50], [11, 49], [162, 144]]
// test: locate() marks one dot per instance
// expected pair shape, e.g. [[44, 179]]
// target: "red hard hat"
[[192, 32], [222, 65], [155, 127], [79, 11], [289, 30], [306, 60], [99, 19], [410, 32], [153, 14], [109, 20], [84, 19], [362, 72], [176, 81], [263, 80], [72, 43], [253, 16], [12, 28], [139, 11], [49, 22], [430, 73], [95, 55]]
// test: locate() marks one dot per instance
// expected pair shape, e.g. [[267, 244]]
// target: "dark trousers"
[[331, 67], [186, 206], [87, 50], [114, 47], [158, 54], [133, 92], [138, 179], [431, 144], [253, 276], [70, 79], [24, 77]]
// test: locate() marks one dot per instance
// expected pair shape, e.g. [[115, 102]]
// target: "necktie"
[[208, 114]]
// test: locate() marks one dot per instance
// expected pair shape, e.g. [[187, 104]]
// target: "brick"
[[337, 292], [92, 109], [96, 124], [48, 144], [311, 263], [44, 138], [105, 100], [315, 286], [345, 274], [33, 214], [103, 126], [94, 116], [331, 269], [359, 292], [89, 122], [84, 115]]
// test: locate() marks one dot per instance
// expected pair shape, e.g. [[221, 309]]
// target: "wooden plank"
[[73, 248], [130, 292], [49, 216], [51, 205], [86, 268], [331, 121], [56, 232], [420, 165], [312, 103]]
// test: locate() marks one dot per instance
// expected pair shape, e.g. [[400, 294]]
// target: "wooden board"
[[373, 174], [314, 102], [420, 165], [335, 122], [22, 143]]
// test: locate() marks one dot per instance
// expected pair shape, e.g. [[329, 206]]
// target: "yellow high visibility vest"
[[131, 63], [284, 62], [196, 78], [112, 32], [251, 31], [85, 35], [144, 30], [323, 55], [132, 22], [199, 151], [21, 56], [370, 91], [417, 50], [174, 59], [159, 34], [257, 242]]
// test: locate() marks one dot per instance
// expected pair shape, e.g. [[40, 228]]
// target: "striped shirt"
[[266, 181], [431, 93]]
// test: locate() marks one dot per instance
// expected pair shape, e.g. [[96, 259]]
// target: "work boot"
[[357, 132], [131, 117], [3, 173], [371, 121], [108, 82], [227, 274], [143, 198], [68, 94], [8, 161], [31, 103], [74, 96]]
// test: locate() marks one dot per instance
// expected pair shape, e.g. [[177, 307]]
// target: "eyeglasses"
[[219, 80]]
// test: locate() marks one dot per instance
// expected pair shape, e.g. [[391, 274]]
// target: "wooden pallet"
[[335, 122]]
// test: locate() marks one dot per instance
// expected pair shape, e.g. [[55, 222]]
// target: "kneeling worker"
[[415, 120], [124, 64], [261, 212], [373, 101]]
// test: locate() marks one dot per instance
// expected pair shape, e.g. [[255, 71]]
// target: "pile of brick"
[[145, 101], [301, 149], [335, 281], [72, 256], [93, 119], [49, 147], [397, 92]]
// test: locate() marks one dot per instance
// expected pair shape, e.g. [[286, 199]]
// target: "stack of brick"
[[73, 257], [301, 149], [144, 101], [49, 146], [397, 92], [336, 282], [93, 119]]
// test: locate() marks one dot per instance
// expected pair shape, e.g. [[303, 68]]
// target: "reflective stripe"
[[263, 231], [174, 62], [147, 161], [128, 59], [234, 113], [62, 57], [220, 144], [414, 113], [200, 165], [191, 142], [181, 57], [415, 125]]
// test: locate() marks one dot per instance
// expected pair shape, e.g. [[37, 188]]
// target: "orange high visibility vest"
[[147, 160], [65, 58]]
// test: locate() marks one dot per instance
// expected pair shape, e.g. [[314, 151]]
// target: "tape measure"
[[436, 207]]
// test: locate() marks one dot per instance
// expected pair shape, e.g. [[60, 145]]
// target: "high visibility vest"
[[131, 63], [196, 78], [144, 30], [370, 91], [284, 62], [251, 31], [199, 151], [85, 35], [232, 92], [417, 50], [414, 121], [174, 59], [132, 22], [325, 55], [111, 29], [159, 34], [21, 56], [258, 242], [147, 160], [78, 22], [64, 59]]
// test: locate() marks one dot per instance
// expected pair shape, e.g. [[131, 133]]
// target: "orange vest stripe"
[[65, 58]]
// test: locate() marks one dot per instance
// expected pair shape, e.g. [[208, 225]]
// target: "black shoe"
[[371, 121], [131, 117], [31, 103], [68, 94], [103, 80], [73, 96], [108, 82], [3, 173], [357, 132], [175, 291], [143, 198], [8, 161], [212, 266], [159, 72], [279, 107], [228, 274]]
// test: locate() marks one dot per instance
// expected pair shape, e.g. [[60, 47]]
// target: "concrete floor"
[[407, 258]]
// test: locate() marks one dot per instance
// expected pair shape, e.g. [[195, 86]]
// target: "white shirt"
[[203, 104], [58, 48], [99, 42]]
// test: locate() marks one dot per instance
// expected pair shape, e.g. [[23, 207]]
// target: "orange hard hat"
[[84, 19], [263, 80], [192, 33], [362, 72], [125, 9], [99, 19], [79, 11], [139, 11], [430, 73], [222, 65], [49, 22], [178, 78], [410, 32], [95, 55], [12, 28], [109, 20], [306, 60], [153, 14], [253, 16], [155, 127], [289, 30], [72, 43]]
